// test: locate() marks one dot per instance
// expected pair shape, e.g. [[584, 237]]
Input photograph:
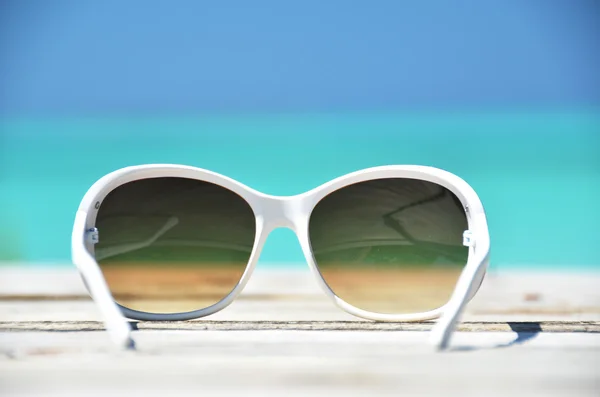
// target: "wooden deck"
[[524, 334]]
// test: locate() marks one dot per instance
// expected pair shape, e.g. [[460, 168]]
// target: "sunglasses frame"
[[272, 212]]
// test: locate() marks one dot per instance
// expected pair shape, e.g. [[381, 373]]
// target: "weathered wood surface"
[[524, 334], [208, 325]]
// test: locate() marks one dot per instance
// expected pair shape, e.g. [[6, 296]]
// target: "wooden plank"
[[488, 326], [523, 335], [297, 363]]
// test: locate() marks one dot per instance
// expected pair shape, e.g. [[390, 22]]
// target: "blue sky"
[[79, 57]]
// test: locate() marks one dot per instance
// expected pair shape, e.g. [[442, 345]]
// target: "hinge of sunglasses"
[[468, 239], [92, 236]]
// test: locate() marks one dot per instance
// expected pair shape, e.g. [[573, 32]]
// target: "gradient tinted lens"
[[172, 245], [390, 245]]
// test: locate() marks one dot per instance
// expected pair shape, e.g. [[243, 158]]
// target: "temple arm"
[[116, 324], [466, 287]]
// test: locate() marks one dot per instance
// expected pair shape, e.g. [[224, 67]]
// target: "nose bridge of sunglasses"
[[283, 212]]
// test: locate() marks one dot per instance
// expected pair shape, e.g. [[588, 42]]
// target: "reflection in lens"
[[171, 245], [390, 245]]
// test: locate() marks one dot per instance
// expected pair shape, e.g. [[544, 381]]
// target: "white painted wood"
[[290, 361]]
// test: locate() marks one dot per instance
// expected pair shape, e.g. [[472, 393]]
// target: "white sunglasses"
[[172, 242]]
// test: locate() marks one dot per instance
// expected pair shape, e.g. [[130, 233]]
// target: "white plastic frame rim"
[[272, 212]]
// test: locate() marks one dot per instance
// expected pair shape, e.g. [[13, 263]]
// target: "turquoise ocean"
[[537, 172]]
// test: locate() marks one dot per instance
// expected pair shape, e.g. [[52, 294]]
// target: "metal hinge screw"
[[92, 235]]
